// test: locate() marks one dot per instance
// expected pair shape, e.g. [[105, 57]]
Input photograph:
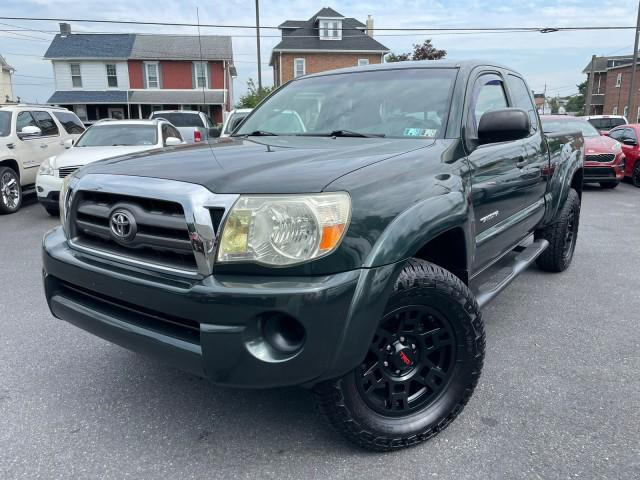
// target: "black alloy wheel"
[[410, 361]]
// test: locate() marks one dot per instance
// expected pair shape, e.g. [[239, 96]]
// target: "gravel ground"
[[559, 396]]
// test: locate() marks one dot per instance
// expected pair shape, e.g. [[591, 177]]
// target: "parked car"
[[604, 160], [194, 126], [352, 259], [105, 139], [233, 120], [28, 135], [604, 123], [628, 136]]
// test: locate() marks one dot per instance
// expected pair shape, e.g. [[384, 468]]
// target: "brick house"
[[130, 75], [326, 41], [610, 90]]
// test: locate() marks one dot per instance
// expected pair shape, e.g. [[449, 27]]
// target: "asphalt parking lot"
[[559, 396]]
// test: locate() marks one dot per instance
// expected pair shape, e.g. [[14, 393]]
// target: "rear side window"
[[46, 124], [521, 98], [70, 122]]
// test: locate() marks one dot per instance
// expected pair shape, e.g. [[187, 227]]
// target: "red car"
[[604, 161], [627, 135]]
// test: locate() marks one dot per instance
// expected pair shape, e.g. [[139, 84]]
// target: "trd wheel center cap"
[[403, 358]]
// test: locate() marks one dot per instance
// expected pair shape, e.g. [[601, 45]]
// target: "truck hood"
[[79, 156], [261, 165]]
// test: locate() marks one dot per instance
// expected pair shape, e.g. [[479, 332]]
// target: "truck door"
[[495, 174]]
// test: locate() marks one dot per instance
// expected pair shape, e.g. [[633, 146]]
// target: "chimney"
[[65, 30], [370, 26]]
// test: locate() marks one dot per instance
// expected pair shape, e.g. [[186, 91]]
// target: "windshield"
[[402, 103], [607, 123], [5, 124], [569, 126], [180, 119], [116, 135], [234, 121]]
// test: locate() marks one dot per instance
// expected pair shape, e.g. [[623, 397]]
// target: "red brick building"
[[131, 75], [610, 88], [326, 41]]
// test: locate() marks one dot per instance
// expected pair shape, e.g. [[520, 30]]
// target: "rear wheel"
[[10, 190], [561, 235], [635, 175], [609, 184], [422, 366]]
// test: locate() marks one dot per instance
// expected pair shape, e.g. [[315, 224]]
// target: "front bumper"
[[212, 326], [602, 172], [48, 189]]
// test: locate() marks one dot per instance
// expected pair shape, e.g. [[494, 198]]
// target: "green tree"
[[421, 51], [554, 105], [576, 102], [253, 96]]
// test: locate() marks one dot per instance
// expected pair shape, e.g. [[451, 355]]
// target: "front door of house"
[[117, 113]]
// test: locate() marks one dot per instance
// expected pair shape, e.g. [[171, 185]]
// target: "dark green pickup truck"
[[343, 239]]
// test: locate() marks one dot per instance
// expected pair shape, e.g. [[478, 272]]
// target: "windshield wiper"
[[351, 133], [261, 133]]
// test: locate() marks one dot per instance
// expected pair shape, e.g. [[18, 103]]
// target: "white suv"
[[29, 134], [104, 139]]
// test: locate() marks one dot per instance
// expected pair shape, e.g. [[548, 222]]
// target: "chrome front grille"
[[170, 226], [66, 171], [602, 157]]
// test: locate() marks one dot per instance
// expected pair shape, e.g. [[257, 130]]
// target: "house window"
[[112, 76], [626, 110], [76, 78], [363, 61], [615, 111], [152, 75], [618, 80], [200, 74], [598, 89], [299, 67], [330, 29]]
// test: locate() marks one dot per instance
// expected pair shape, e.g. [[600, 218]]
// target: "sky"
[[554, 60]]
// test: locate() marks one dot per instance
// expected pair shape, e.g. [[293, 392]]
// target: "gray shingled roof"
[[167, 97], [88, 96], [181, 47], [306, 37], [91, 45], [142, 47], [602, 63]]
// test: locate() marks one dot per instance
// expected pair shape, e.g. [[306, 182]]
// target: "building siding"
[[216, 73], [176, 75], [135, 74], [320, 62], [93, 73], [5, 85]]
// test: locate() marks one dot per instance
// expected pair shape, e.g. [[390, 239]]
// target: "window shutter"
[[193, 75], [159, 75], [144, 76], [207, 65]]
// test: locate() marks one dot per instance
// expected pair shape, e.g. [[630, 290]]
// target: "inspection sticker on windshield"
[[419, 132]]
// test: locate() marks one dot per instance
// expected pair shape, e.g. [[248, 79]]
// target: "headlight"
[[46, 167], [281, 230], [616, 147]]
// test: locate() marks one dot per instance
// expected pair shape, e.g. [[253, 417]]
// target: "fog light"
[[283, 333]]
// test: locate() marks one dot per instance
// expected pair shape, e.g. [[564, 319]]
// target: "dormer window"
[[330, 29]]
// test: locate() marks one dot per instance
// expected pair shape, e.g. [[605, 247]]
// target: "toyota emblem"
[[123, 225]]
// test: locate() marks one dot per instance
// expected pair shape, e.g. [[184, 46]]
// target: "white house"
[[6, 90]]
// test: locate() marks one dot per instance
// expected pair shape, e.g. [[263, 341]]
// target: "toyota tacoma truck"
[[344, 239]]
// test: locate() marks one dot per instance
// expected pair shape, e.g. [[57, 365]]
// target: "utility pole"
[[632, 87], [258, 42]]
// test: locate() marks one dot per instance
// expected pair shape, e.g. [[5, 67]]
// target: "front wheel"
[[10, 191], [421, 368], [635, 175]]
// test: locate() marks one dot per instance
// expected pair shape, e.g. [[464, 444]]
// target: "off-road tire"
[[557, 257], [424, 285], [9, 175], [635, 175], [609, 185]]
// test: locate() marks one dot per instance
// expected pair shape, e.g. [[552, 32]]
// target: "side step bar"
[[487, 291]]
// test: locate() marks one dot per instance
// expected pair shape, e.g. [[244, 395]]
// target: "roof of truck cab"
[[465, 64]]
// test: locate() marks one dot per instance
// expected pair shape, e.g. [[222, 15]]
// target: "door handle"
[[43, 145], [521, 163]]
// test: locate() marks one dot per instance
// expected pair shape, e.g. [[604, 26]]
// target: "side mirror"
[[29, 131], [68, 143], [214, 132], [172, 141], [503, 125], [630, 141]]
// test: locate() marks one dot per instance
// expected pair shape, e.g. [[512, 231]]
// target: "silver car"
[[194, 126]]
